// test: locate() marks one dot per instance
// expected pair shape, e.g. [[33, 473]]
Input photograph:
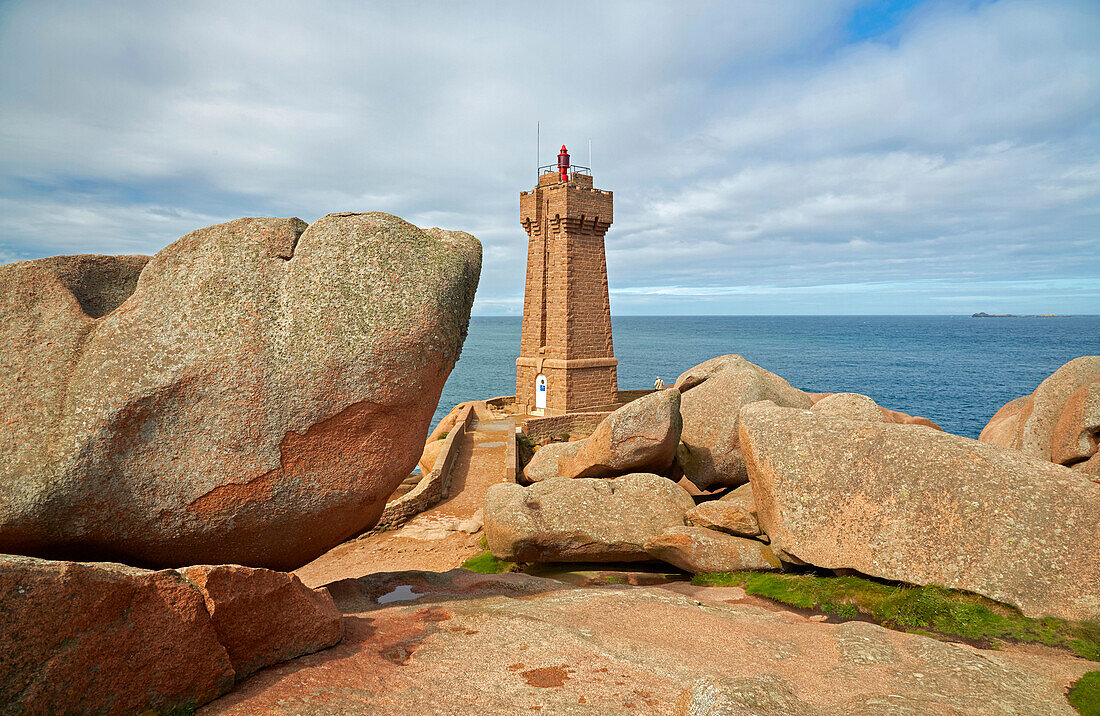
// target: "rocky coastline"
[[198, 447]]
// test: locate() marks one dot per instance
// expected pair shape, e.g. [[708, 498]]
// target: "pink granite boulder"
[[251, 394]]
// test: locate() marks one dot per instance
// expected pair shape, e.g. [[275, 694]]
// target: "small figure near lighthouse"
[[566, 361]]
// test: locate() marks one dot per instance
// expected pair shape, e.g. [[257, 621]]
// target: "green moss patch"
[[929, 610], [1085, 695], [486, 563]]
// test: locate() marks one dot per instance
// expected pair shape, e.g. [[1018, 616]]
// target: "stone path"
[[432, 540]]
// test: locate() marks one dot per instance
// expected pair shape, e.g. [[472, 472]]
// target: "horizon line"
[[819, 315]]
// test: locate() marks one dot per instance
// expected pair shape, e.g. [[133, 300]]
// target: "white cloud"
[[80, 226], [747, 144]]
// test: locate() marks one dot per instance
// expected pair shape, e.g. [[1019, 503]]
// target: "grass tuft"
[[486, 563], [1085, 695], [930, 609]]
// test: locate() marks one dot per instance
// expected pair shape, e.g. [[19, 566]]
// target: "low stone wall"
[[511, 454], [501, 402], [552, 426], [622, 397], [433, 487], [626, 396], [539, 429]]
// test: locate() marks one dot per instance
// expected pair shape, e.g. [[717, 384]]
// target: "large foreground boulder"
[[912, 504], [713, 394], [1059, 422], [251, 394], [641, 436], [107, 638], [582, 520]]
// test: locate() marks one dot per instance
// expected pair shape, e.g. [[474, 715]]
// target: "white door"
[[540, 392]]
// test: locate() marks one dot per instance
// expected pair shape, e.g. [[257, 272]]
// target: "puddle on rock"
[[401, 592]]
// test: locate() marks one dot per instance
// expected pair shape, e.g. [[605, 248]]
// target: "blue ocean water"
[[954, 370]]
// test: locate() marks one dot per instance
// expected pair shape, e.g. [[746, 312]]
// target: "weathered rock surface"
[[509, 644], [852, 406], [252, 394], [741, 496], [582, 520], [1090, 466], [264, 617], [733, 514], [1076, 435], [1003, 426], [104, 638], [545, 463], [447, 424], [896, 416], [1059, 422], [709, 451], [698, 550], [698, 374], [641, 436], [859, 407], [429, 455], [925, 507]]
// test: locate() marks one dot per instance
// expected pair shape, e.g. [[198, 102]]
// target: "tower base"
[[571, 386]]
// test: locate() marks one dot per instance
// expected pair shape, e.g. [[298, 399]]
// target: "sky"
[[781, 157]]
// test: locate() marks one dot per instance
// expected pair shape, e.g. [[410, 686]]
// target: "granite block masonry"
[[567, 362]]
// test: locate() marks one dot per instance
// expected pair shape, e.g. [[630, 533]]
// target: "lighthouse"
[[566, 360]]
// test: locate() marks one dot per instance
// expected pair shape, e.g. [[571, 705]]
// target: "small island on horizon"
[[983, 314]]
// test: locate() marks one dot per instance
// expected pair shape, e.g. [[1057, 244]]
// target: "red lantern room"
[[563, 164]]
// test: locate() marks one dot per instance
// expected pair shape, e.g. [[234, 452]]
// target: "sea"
[[954, 370]]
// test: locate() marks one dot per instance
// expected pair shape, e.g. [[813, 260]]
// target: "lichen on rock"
[[254, 399]]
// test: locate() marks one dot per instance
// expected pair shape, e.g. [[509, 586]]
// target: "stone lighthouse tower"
[[566, 361]]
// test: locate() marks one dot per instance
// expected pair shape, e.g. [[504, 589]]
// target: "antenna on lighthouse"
[[589, 155], [538, 145]]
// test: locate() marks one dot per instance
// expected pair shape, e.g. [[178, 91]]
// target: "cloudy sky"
[[826, 156]]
